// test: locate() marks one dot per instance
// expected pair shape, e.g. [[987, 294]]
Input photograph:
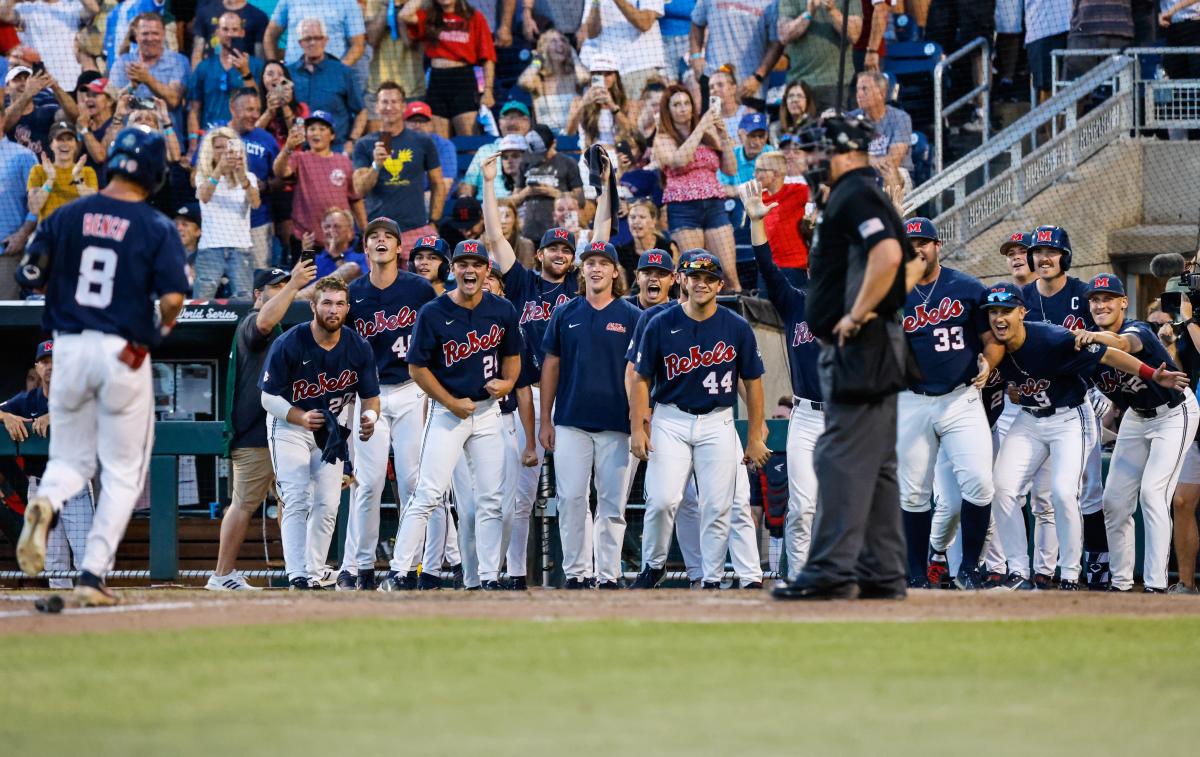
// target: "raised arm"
[[494, 239], [602, 222]]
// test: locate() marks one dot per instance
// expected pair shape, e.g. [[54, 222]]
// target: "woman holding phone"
[[227, 192], [599, 116]]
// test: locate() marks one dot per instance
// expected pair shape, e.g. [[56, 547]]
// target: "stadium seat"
[[911, 64]]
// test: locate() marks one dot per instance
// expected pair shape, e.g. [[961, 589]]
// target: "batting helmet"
[[139, 154], [437, 246], [1055, 238]]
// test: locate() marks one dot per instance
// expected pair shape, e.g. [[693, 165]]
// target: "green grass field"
[[455, 687]]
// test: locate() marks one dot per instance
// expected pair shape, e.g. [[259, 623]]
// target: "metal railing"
[[982, 90]]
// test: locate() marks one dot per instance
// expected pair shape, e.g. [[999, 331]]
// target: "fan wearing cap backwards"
[[1159, 425], [1057, 425]]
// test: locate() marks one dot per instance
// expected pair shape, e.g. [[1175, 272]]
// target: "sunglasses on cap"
[[1002, 298], [700, 265]]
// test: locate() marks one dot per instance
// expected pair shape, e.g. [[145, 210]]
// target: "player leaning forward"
[[693, 356], [1158, 425], [103, 259]]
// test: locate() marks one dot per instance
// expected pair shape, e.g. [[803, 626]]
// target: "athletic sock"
[[975, 520], [1095, 555], [916, 531]]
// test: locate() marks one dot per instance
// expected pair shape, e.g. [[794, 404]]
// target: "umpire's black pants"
[[858, 535]]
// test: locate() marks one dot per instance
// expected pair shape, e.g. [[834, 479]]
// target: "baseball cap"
[[513, 143], [603, 64], [540, 138], [1020, 239], [191, 212], [599, 248], [382, 222], [470, 248], [16, 71], [1004, 294], [87, 80], [1106, 282], [44, 349], [516, 105], [788, 137], [557, 235], [656, 258], [418, 108], [921, 228], [61, 127], [701, 261], [323, 116], [434, 244], [752, 122], [467, 212], [265, 277]]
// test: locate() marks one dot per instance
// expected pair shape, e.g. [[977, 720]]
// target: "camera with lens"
[[1182, 283]]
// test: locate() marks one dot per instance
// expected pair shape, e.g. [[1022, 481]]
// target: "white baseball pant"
[[578, 456], [743, 531], [805, 427], [397, 430], [447, 439], [1091, 499], [100, 408], [518, 508], [1145, 465], [687, 531], [954, 423], [441, 540], [463, 487], [311, 491], [66, 543], [680, 442], [946, 536]]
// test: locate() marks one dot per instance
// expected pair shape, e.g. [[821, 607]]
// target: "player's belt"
[[951, 390], [699, 410], [818, 406], [1046, 412], [1154, 411]]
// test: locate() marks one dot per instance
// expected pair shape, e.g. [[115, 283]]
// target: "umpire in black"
[[856, 295]]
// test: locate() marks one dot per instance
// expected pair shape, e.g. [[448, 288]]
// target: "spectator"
[[691, 148], [512, 152], [16, 223], [796, 158], [545, 174], [1097, 25], [1047, 23], [1181, 19], [261, 151], [118, 24], [747, 39], [282, 108], [675, 27], [465, 221], [62, 175], [153, 70], [178, 188], [723, 86], [642, 218], [647, 107], [46, 25], [187, 222], [339, 255], [563, 15], [391, 167], [227, 70], [94, 116], [342, 28], [514, 119], [511, 229], [25, 123], [753, 134], [890, 150], [455, 39], [633, 175], [811, 31], [227, 192], [625, 31], [788, 248], [870, 48], [206, 28], [796, 107], [393, 58], [419, 117], [553, 78], [599, 116], [323, 177], [324, 83]]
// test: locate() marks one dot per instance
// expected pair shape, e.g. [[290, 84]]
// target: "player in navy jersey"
[[383, 310], [102, 260], [585, 418], [466, 355], [312, 372], [1158, 426], [1057, 425], [430, 259], [655, 275], [807, 421], [693, 356]]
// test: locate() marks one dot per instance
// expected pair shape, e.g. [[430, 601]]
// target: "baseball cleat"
[[993, 580], [396, 581], [750, 584], [919, 582], [492, 585], [456, 571], [711, 586], [346, 581], [1042, 582], [31, 547], [1016, 582], [1067, 584], [326, 577], [517, 583], [428, 582], [1153, 590], [938, 572], [365, 580], [609, 586], [1181, 588], [575, 584], [969, 580], [91, 591], [693, 583], [1118, 590], [649, 577], [233, 582]]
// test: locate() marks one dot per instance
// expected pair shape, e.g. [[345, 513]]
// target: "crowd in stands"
[[291, 123]]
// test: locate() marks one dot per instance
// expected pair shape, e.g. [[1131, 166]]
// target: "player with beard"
[[655, 275]]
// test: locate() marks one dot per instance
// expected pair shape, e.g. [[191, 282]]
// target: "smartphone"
[[714, 103], [308, 256], [597, 80], [571, 219]]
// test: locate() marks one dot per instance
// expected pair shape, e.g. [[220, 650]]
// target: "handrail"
[[940, 113], [1134, 52]]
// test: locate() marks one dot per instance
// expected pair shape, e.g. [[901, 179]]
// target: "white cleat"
[[233, 582], [31, 547]]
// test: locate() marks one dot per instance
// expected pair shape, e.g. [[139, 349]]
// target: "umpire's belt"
[[1046, 412], [1154, 411], [800, 401]]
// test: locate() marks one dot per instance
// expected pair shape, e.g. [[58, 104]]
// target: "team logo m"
[[471, 247], [912, 227], [1045, 236], [654, 258]]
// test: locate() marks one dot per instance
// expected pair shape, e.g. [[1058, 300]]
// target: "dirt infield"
[[150, 609]]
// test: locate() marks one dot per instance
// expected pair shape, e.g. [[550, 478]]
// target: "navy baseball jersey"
[[1048, 371], [531, 373], [639, 328], [943, 322], [695, 365], [803, 348], [1129, 391], [29, 404], [535, 300], [465, 348], [313, 378], [591, 346], [385, 318], [1068, 308], [109, 259]]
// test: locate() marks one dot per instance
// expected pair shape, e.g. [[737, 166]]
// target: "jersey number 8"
[[97, 269], [726, 382], [948, 339]]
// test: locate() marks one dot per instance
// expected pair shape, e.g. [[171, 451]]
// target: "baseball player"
[[947, 332], [102, 260], [655, 274], [1158, 426], [807, 420], [383, 310], [1058, 298], [465, 353], [314, 371], [430, 259], [68, 537], [694, 355], [588, 428], [1056, 426]]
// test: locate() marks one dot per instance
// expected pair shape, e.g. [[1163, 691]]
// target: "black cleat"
[[1068, 585], [1043, 582], [969, 579], [366, 580], [1016, 582], [346, 581], [91, 591], [517, 583], [649, 578], [428, 582], [875, 591], [301, 583], [993, 580], [920, 582], [492, 586], [750, 584], [396, 581], [456, 572], [1153, 590], [711, 586], [610, 586], [575, 584], [805, 588]]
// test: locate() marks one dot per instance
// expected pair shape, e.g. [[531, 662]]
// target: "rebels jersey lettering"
[[385, 318], [313, 378], [109, 259], [591, 346], [803, 347], [1048, 371], [465, 348], [696, 364], [943, 321], [1068, 308], [535, 300], [1129, 391]]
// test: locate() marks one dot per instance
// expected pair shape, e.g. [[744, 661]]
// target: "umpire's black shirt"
[[857, 217]]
